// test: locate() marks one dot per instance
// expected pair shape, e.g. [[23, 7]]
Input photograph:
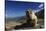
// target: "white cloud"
[[41, 5], [37, 10]]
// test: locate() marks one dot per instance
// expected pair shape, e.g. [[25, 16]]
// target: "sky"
[[18, 8]]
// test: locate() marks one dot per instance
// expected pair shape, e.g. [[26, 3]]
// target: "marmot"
[[31, 17]]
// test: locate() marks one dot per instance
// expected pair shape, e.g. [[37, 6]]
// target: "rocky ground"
[[12, 25]]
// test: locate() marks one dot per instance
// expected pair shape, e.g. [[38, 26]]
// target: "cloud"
[[40, 8], [41, 5], [37, 10]]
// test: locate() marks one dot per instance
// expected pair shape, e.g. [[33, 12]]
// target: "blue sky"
[[17, 8]]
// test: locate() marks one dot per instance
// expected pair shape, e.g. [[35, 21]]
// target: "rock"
[[11, 25]]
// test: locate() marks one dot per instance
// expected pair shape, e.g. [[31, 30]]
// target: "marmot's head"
[[28, 11]]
